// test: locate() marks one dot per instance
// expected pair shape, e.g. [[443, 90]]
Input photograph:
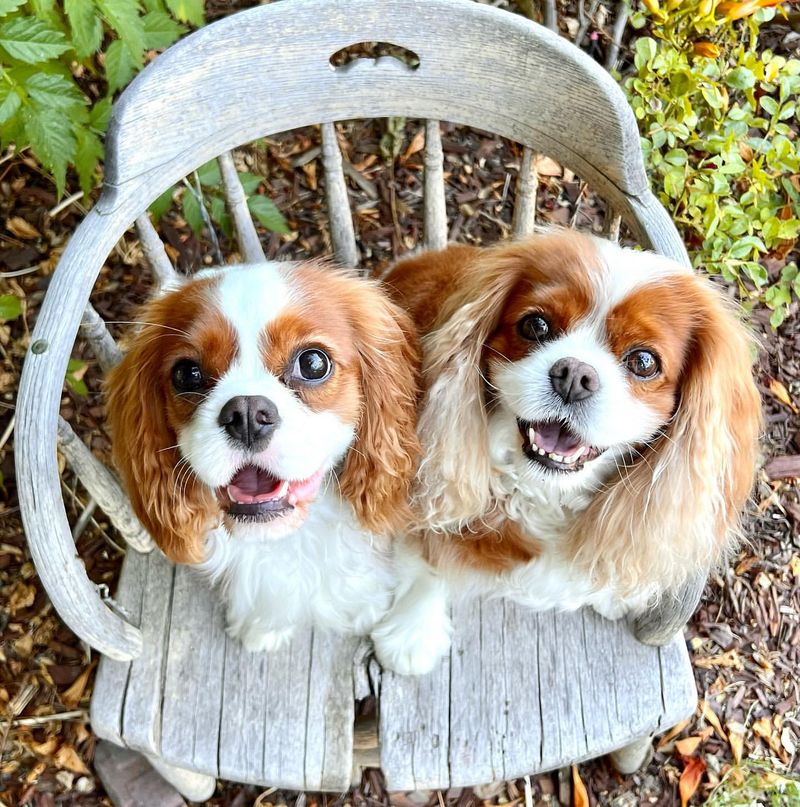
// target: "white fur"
[[328, 574]]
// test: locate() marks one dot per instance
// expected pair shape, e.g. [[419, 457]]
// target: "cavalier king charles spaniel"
[[264, 421], [589, 432]]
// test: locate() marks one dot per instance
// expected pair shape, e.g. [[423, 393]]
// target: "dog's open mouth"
[[554, 445], [254, 494]]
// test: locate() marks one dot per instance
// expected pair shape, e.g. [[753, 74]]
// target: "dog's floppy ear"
[[176, 510], [380, 466], [676, 513], [453, 481]]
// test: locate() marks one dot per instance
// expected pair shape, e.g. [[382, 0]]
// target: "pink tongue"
[[252, 483], [554, 438]]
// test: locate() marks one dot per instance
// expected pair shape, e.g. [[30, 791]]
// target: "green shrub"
[[716, 118], [51, 53]]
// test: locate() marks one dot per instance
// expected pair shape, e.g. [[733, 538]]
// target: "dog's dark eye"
[[642, 363], [534, 328], [187, 376], [312, 365]]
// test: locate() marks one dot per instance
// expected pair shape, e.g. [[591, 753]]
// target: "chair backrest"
[[268, 70]]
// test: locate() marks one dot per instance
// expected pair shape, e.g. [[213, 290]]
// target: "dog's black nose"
[[574, 380], [250, 420]]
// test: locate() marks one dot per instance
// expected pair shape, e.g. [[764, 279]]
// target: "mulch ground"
[[744, 639]]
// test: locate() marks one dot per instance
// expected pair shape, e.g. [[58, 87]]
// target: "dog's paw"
[[259, 641], [411, 648]]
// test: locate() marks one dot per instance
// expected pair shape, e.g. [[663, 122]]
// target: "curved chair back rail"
[[268, 70]]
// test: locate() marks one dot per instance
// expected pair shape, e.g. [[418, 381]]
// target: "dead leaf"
[[310, 170], [23, 647], [728, 659], [22, 596], [546, 167], [580, 798], [67, 757], [794, 565], [690, 778], [688, 746], [35, 772], [72, 697], [782, 394], [46, 748], [672, 734], [789, 741], [735, 739], [417, 144], [22, 228], [709, 714], [763, 728]]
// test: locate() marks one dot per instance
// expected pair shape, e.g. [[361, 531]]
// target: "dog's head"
[[591, 372], [247, 388]]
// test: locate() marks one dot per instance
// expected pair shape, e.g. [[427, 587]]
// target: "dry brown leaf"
[[763, 728], [67, 757], [728, 659], [310, 170], [688, 746], [690, 778], [417, 144], [23, 647], [789, 741], [782, 394], [711, 717], [46, 748], [22, 596], [72, 697], [794, 565], [672, 734], [735, 739], [580, 798], [35, 772], [22, 228], [546, 167]]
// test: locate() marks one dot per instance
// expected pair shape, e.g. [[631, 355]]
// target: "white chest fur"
[[329, 574]]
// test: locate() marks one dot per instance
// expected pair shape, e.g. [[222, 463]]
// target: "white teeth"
[[556, 457], [539, 450]]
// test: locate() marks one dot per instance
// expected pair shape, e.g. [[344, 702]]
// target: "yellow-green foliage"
[[716, 116]]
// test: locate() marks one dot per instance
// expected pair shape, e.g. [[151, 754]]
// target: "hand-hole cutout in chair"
[[521, 692]]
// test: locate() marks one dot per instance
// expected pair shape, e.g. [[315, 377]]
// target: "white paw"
[[411, 647], [258, 641]]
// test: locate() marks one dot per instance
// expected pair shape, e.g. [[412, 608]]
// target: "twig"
[[197, 192], [65, 203], [587, 21], [9, 429], [620, 21], [84, 519], [77, 714]]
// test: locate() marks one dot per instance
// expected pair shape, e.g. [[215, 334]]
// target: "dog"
[[263, 420], [589, 432]]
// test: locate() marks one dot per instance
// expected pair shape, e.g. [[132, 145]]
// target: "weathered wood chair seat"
[[520, 692]]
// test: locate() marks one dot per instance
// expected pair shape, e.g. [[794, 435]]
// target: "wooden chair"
[[521, 692]]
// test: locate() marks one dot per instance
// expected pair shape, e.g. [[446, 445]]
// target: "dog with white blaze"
[[263, 419], [589, 431]]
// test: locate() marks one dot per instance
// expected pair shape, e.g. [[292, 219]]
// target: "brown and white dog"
[[264, 422], [589, 432]]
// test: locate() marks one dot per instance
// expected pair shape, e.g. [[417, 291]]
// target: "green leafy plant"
[[205, 198], [50, 54], [753, 783], [716, 117]]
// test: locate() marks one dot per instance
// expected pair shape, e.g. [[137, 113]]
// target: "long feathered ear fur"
[[454, 477], [379, 468], [176, 510], [676, 513]]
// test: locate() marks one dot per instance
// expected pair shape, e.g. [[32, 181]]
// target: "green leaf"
[[52, 140], [190, 11], [7, 6], [31, 40], [263, 208], [123, 17], [250, 182], [162, 204], [209, 174], [676, 157], [85, 25], [160, 30], [740, 78], [646, 49], [74, 377], [10, 307], [88, 153], [54, 91], [769, 104], [191, 211], [45, 10], [119, 66], [777, 317], [10, 102], [100, 115]]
